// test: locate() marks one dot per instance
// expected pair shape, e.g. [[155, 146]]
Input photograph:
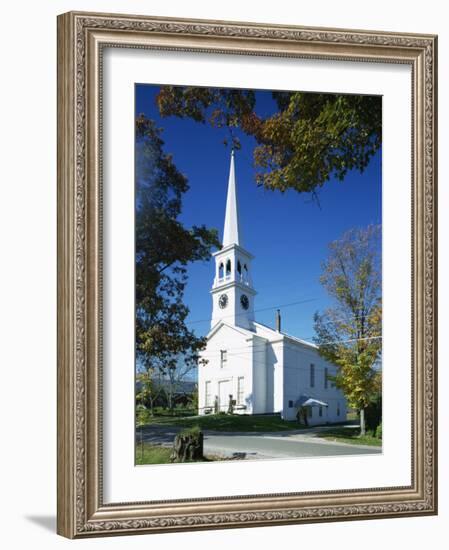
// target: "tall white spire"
[[232, 233], [232, 290]]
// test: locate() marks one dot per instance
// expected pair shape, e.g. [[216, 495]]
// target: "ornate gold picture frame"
[[82, 40]]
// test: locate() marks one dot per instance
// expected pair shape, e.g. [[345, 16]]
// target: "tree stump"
[[188, 447]]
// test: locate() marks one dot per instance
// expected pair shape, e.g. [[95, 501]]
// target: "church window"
[[338, 409], [240, 389], [326, 379], [220, 270], [208, 395], [320, 411], [312, 375], [223, 358], [239, 267], [228, 268], [290, 404]]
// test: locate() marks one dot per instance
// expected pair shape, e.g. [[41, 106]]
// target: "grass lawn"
[[229, 423], [152, 454], [156, 454], [350, 435]]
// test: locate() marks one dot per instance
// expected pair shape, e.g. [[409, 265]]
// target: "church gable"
[[223, 328], [227, 346], [238, 344]]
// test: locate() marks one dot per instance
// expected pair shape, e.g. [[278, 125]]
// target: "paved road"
[[295, 443], [286, 446]]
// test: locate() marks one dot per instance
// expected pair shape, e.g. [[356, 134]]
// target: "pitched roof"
[[275, 333]]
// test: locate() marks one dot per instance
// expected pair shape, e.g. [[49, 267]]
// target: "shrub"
[[143, 415], [373, 413], [193, 401], [379, 431]]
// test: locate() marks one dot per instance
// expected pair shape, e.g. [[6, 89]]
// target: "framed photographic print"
[[246, 274]]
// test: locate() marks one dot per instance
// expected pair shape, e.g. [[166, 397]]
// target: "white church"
[[251, 368]]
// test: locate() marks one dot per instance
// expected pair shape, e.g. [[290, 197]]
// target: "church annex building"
[[251, 367]]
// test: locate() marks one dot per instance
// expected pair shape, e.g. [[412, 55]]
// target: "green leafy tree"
[[176, 376], [164, 248], [149, 389], [310, 138], [349, 333], [193, 401]]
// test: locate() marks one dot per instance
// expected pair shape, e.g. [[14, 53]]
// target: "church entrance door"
[[224, 390]]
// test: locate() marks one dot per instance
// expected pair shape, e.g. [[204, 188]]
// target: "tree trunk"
[[187, 447], [362, 422]]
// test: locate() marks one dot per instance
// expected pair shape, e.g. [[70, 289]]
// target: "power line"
[[255, 311], [241, 349], [308, 300]]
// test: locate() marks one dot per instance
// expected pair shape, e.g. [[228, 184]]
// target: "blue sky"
[[287, 233]]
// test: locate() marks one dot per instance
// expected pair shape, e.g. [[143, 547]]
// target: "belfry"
[[232, 290]]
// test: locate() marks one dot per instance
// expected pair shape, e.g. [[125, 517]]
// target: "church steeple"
[[232, 289], [232, 231]]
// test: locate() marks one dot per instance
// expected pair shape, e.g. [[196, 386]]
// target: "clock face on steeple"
[[223, 301], [244, 301]]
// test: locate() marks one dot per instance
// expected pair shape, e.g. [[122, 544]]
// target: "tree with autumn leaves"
[[349, 334], [309, 139], [164, 248]]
